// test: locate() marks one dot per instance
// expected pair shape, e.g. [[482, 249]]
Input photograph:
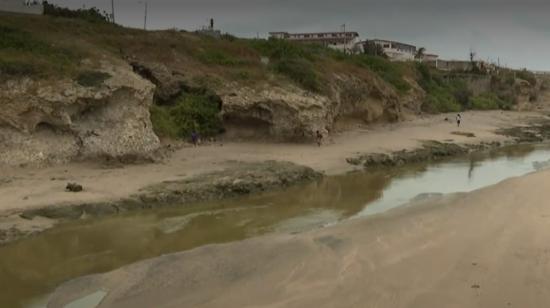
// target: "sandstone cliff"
[[286, 112], [67, 96], [55, 121]]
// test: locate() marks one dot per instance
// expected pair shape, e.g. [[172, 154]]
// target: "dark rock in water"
[[73, 187], [430, 151]]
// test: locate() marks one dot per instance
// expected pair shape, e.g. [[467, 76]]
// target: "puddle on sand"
[[460, 175], [35, 266], [90, 301]]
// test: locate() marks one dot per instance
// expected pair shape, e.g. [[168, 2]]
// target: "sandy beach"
[[488, 248], [24, 188]]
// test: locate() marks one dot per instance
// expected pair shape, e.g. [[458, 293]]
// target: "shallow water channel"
[[33, 267]]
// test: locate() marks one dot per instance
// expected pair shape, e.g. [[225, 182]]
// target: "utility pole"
[[345, 39], [113, 10], [145, 17]]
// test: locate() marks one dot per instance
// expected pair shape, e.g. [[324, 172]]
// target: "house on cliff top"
[[22, 6], [344, 41]]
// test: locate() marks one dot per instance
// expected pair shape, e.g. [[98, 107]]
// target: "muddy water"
[[33, 267]]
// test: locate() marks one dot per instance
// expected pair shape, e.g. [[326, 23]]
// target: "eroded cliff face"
[[55, 121], [292, 114]]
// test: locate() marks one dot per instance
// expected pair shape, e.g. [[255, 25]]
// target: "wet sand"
[[488, 248], [24, 188]]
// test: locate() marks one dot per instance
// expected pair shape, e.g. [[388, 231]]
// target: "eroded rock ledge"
[[430, 151], [239, 179]]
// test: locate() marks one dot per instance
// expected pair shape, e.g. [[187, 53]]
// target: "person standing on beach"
[[195, 138], [319, 138], [458, 119]]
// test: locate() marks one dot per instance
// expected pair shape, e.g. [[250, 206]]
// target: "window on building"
[[386, 45]]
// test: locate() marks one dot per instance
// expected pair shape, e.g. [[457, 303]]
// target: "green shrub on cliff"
[[528, 76], [191, 112], [295, 61], [490, 101], [163, 124], [441, 95], [391, 72], [440, 100], [300, 71]]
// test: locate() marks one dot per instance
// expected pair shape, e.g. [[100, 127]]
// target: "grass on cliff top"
[[52, 46], [42, 46], [23, 53], [391, 72]]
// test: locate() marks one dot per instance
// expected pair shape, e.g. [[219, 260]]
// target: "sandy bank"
[[25, 188], [108, 189], [488, 248]]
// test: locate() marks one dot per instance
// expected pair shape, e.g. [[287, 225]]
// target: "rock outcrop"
[[286, 112], [237, 180], [168, 84], [430, 151], [55, 121], [293, 114]]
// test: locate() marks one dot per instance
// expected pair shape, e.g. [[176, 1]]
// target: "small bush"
[[92, 78], [16, 69], [528, 76], [24, 54], [440, 100], [18, 40], [490, 101], [485, 102], [300, 71], [199, 113], [243, 75], [163, 124]]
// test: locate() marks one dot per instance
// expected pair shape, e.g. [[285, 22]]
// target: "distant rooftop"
[[392, 42], [317, 33]]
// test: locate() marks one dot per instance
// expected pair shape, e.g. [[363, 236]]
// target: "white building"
[[22, 6], [344, 41], [396, 51]]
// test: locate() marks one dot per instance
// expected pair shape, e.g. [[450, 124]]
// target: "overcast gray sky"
[[517, 32]]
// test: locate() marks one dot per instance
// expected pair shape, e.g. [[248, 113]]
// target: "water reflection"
[[35, 266], [460, 175]]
